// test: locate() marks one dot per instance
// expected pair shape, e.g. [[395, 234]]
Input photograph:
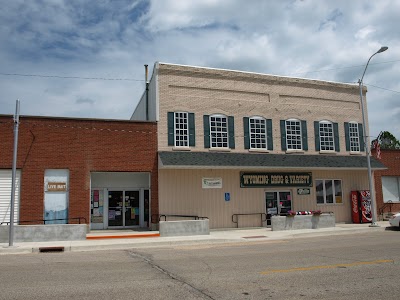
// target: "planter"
[[302, 222]]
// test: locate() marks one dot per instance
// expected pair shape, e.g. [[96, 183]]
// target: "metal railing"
[[235, 218], [387, 204], [159, 217], [51, 220]]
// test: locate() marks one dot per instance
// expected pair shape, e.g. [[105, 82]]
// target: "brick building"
[[102, 171], [387, 183], [238, 147]]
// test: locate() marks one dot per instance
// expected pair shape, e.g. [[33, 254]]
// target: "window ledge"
[[356, 153], [259, 150], [181, 149], [219, 150], [294, 151], [333, 152]]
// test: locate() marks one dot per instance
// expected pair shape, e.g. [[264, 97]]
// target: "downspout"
[[147, 91]]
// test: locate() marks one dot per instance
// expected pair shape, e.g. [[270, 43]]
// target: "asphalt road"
[[362, 266]]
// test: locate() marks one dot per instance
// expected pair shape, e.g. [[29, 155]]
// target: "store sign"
[[56, 187], [275, 179], [303, 191], [211, 183]]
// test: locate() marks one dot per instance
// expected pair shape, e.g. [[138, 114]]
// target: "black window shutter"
[[336, 136], [361, 137], [283, 135], [246, 133], [206, 123], [304, 135], [192, 132], [231, 132], [347, 135], [317, 140], [171, 129], [270, 140]]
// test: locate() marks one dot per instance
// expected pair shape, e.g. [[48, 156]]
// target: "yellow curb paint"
[[329, 266]]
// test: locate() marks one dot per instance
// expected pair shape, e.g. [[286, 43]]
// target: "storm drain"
[[51, 249]]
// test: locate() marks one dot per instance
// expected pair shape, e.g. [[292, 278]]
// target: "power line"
[[70, 77], [378, 87], [358, 66]]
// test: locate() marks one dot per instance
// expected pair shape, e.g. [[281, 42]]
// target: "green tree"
[[387, 141]]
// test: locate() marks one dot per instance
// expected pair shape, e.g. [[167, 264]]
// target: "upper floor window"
[[354, 135], [219, 131], [294, 135], [326, 136], [181, 129], [257, 133]]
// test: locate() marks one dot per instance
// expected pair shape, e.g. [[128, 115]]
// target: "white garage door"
[[5, 195]]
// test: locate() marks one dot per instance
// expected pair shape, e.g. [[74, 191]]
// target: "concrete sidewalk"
[[109, 240]]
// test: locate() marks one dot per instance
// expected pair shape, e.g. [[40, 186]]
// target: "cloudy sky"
[[76, 58]]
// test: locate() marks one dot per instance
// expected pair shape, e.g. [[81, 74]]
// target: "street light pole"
[[366, 143]]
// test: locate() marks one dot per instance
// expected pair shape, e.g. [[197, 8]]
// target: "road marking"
[[383, 261]]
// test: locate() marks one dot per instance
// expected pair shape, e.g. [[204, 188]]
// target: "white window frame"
[[219, 131], [326, 136], [324, 181], [181, 129], [258, 133], [354, 138], [390, 195], [293, 135]]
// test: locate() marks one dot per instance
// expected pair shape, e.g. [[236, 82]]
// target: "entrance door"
[[277, 204], [123, 208]]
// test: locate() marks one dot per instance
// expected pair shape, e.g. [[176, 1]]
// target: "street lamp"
[[366, 143]]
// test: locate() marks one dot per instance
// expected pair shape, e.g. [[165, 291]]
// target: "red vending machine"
[[361, 207]]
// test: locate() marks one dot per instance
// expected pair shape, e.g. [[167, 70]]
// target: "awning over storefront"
[[207, 160]]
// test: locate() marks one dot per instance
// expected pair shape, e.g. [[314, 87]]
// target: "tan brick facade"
[[207, 91]]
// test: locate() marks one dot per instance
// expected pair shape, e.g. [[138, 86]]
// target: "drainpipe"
[[147, 92]]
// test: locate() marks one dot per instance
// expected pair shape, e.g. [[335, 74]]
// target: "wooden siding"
[[181, 192]]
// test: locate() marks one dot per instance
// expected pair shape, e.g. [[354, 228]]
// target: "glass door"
[[115, 207], [132, 208], [123, 208], [277, 203]]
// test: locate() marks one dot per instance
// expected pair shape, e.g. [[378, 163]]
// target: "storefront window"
[[328, 191]]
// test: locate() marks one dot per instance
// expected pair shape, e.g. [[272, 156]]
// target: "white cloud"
[[364, 32], [114, 39]]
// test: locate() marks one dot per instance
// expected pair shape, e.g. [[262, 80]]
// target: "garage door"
[[5, 195]]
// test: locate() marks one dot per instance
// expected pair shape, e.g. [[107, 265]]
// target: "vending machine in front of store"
[[361, 206]]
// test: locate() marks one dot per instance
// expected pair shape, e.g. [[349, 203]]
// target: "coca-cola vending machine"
[[361, 207]]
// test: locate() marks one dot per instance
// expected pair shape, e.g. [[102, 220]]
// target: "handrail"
[[181, 216], [382, 209], [44, 221], [249, 214]]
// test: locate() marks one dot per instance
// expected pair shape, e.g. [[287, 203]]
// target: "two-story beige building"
[[238, 147]]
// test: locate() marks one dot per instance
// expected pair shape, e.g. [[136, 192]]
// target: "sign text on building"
[[275, 179], [56, 186]]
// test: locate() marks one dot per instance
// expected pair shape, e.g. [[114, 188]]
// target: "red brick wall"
[[81, 146], [391, 159]]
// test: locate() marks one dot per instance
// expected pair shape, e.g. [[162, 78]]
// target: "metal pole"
[[366, 143], [14, 171]]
